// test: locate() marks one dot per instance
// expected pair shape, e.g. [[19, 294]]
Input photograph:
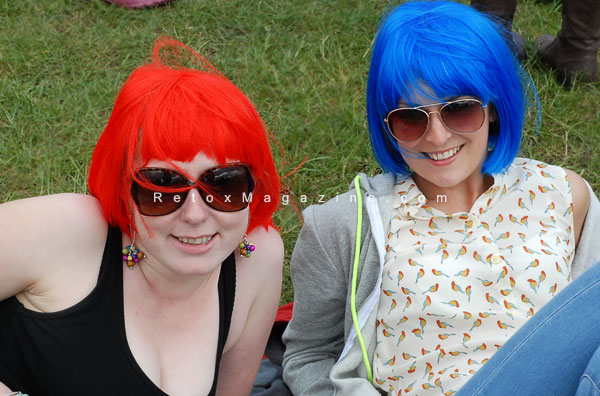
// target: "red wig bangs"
[[171, 113]]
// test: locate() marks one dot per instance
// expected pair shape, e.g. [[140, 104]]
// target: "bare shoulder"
[[264, 266], [258, 284], [54, 217], [43, 233], [581, 200], [269, 248]]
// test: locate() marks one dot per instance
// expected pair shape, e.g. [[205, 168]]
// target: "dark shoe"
[[570, 64], [138, 3], [518, 46], [574, 51]]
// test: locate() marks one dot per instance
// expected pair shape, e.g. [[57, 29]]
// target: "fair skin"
[[460, 176], [170, 298]]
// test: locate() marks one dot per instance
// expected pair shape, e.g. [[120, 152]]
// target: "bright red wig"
[[171, 113]]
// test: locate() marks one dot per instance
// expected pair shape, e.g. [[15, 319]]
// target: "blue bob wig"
[[441, 50]]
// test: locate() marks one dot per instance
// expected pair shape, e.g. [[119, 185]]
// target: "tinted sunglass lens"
[[408, 124], [154, 201], [227, 188], [464, 116]]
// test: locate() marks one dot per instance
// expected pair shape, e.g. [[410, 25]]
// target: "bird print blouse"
[[456, 287]]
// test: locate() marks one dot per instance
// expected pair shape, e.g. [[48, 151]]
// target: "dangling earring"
[[246, 248], [132, 255]]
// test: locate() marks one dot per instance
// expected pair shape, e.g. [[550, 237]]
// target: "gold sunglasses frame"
[[422, 109]]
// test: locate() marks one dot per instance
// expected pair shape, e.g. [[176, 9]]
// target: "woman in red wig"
[[166, 279]]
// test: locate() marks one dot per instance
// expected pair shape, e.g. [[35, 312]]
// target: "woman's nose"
[[437, 132], [194, 209]]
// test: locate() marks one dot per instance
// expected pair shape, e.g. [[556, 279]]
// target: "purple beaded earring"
[[246, 248], [132, 255]]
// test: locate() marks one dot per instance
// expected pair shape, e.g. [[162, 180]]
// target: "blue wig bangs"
[[429, 52]]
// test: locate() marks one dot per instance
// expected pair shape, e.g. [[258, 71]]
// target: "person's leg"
[[548, 355], [590, 380], [573, 52], [504, 11]]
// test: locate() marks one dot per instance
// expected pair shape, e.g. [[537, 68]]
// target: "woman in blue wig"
[[410, 282]]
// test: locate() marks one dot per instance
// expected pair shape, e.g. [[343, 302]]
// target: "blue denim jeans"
[[555, 353], [590, 380]]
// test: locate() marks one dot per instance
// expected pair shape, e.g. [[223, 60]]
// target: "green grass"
[[302, 63]]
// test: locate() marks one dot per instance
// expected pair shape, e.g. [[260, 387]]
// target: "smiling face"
[[444, 159], [195, 238]]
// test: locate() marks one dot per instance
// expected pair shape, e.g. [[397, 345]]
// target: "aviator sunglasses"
[[160, 191], [462, 116]]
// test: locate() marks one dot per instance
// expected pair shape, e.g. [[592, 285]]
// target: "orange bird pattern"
[[461, 252], [467, 281]]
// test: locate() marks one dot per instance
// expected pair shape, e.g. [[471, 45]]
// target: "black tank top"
[[83, 349]]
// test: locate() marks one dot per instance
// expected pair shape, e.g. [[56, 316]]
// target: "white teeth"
[[195, 241], [444, 155]]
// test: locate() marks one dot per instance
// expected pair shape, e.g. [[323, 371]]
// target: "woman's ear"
[[493, 116]]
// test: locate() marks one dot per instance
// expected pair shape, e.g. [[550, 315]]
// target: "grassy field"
[[302, 63]]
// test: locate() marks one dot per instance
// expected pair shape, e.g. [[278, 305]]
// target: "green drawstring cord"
[[355, 276]]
